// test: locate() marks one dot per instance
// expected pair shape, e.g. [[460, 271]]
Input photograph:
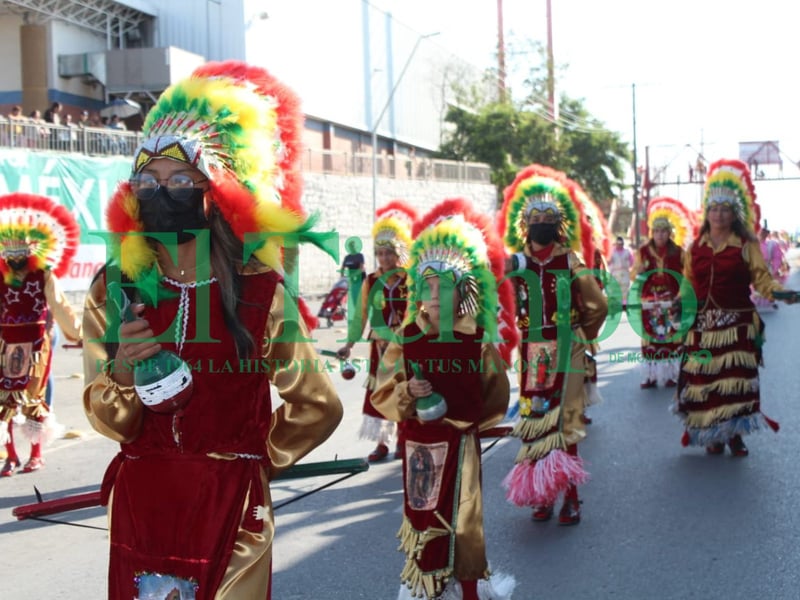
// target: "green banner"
[[83, 184]]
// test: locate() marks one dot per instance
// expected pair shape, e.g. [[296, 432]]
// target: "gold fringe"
[[531, 428], [14, 398], [737, 358], [728, 386], [541, 448], [724, 337], [412, 542], [707, 418]]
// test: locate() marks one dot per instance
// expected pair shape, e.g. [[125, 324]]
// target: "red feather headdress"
[[455, 236], [37, 228]]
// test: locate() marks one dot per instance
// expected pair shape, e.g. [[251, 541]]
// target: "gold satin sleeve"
[[311, 408], [595, 304], [759, 272], [114, 411], [62, 311], [390, 396]]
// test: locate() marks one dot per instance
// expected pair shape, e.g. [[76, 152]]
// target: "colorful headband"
[[728, 182], [392, 228], [453, 238], [668, 213], [37, 228], [240, 127], [538, 189]]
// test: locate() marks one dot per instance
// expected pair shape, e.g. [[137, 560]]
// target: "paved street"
[[659, 521]]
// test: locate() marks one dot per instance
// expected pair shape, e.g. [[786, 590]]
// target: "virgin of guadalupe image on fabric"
[[157, 586], [425, 463], [542, 359]]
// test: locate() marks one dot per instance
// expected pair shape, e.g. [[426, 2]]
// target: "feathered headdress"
[[39, 230], [601, 233], [392, 228], [454, 238], [240, 127], [530, 192], [668, 213], [728, 182]]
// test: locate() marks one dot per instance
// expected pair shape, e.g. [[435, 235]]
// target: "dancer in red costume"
[[38, 239], [718, 397], [213, 198], [559, 312], [659, 266], [383, 306], [456, 259]]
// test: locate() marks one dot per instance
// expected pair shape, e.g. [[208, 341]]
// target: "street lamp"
[[380, 117]]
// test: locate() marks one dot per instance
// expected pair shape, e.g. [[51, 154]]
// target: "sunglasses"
[[180, 187]]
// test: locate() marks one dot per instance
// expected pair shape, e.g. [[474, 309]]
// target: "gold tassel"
[[707, 418], [724, 337], [422, 584], [541, 448], [728, 386], [531, 428], [413, 542], [737, 358]]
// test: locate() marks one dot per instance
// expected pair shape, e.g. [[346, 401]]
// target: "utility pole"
[[635, 175], [551, 77], [501, 54], [647, 184]]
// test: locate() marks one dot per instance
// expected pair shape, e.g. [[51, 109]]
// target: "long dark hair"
[[226, 259]]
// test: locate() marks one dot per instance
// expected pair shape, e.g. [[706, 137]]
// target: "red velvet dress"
[[386, 305], [718, 390], [658, 320], [176, 510], [556, 309], [24, 367]]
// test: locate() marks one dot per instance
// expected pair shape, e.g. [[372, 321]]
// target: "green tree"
[[509, 136]]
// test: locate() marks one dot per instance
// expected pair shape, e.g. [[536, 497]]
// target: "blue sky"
[[708, 73]]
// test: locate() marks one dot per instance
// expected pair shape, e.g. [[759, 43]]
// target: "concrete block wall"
[[345, 206]]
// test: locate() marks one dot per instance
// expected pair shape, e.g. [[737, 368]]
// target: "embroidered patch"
[[424, 466], [542, 362], [158, 586], [17, 360]]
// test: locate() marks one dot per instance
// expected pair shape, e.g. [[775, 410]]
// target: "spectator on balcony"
[[68, 135], [16, 129], [37, 130], [84, 121], [85, 140], [118, 143], [53, 116]]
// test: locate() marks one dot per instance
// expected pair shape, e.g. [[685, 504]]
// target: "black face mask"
[[164, 214], [542, 233], [17, 264]]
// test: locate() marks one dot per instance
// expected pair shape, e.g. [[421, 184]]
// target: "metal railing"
[[394, 167], [108, 142], [61, 138]]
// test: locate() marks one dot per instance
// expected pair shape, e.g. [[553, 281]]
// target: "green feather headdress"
[[451, 244], [530, 193]]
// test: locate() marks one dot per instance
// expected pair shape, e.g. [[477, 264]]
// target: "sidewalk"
[[57, 561]]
